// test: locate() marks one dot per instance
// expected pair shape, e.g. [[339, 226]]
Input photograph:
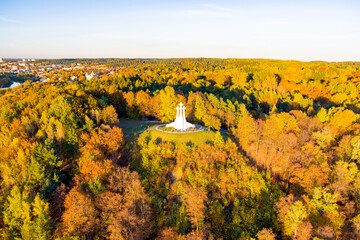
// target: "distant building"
[[90, 76], [1, 60], [14, 68]]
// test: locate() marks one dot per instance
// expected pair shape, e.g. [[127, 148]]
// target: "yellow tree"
[[294, 218], [266, 234], [143, 103], [79, 217], [245, 130], [324, 204], [292, 214], [343, 119], [195, 200], [109, 115], [200, 108], [168, 102]]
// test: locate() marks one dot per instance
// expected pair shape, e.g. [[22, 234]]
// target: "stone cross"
[[180, 111], [177, 111]]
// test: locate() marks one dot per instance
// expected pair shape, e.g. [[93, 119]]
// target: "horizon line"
[[226, 58]]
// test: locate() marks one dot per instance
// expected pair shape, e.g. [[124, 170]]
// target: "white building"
[[90, 76], [180, 121]]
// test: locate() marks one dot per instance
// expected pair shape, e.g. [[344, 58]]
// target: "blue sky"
[[302, 30]]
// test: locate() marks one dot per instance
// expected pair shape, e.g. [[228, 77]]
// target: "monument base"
[[180, 124], [180, 121]]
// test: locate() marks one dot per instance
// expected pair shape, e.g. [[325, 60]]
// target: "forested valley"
[[285, 166]]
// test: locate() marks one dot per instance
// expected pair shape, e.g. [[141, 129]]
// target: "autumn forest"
[[283, 161]]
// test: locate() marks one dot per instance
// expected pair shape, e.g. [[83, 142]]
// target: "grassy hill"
[[196, 138], [132, 128]]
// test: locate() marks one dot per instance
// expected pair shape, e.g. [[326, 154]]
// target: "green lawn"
[[132, 127], [196, 138]]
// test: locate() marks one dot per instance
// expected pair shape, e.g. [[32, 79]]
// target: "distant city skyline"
[[295, 30]]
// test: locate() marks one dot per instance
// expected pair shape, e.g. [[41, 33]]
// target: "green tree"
[[44, 168], [17, 211], [25, 218], [96, 186], [42, 220], [60, 108]]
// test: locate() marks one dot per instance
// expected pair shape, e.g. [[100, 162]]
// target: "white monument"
[[180, 121]]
